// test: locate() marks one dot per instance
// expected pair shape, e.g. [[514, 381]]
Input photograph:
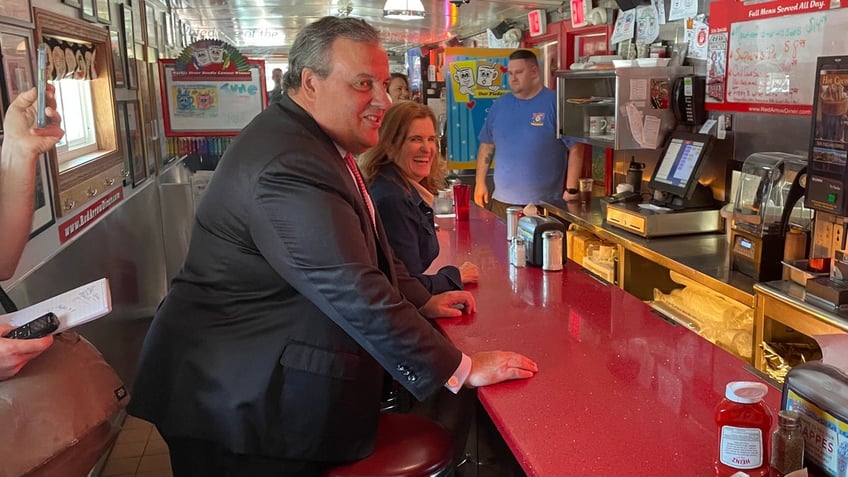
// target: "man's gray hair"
[[313, 44]]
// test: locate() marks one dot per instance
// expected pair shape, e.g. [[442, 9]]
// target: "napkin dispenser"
[[531, 228], [819, 392]]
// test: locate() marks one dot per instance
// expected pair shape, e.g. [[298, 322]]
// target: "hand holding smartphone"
[[37, 328], [41, 115]]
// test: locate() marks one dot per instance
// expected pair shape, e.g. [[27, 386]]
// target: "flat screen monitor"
[[680, 163]]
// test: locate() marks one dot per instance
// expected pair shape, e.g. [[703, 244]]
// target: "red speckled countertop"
[[620, 392]]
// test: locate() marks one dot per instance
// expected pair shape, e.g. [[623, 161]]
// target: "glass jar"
[[743, 423], [518, 252], [787, 444]]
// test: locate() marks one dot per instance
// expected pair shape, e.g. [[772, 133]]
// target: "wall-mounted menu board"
[[204, 104], [772, 51]]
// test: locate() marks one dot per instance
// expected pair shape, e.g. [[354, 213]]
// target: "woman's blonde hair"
[[393, 133]]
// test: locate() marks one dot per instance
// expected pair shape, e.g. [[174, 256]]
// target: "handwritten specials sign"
[[772, 50]]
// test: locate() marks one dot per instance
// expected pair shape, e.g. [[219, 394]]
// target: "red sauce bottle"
[[743, 428]]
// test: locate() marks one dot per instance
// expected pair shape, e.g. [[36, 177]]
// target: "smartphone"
[[37, 328], [41, 119]]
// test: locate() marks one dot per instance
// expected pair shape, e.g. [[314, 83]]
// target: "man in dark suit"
[[267, 355]]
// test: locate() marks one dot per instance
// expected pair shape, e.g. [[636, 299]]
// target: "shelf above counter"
[[605, 141]]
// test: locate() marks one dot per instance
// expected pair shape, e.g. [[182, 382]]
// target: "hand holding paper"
[[73, 308]]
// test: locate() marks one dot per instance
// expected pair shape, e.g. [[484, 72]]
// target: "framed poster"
[[132, 73], [119, 68], [72, 3], [18, 12], [122, 141], [129, 35], [195, 105], [89, 10], [103, 14], [17, 55], [135, 146], [167, 29], [42, 216], [150, 23]]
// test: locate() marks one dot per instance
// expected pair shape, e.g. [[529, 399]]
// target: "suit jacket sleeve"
[[308, 220], [401, 219]]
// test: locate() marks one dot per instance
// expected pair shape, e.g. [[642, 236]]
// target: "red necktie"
[[354, 170]]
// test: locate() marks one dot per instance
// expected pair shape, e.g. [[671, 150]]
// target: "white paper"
[[660, 6], [624, 26], [698, 38], [73, 308], [652, 207], [651, 132], [634, 119], [647, 24], [682, 9], [705, 129], [834, 350], [199, 182], [638, 89]]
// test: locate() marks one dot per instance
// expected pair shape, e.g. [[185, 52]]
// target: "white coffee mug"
[[597, 124]]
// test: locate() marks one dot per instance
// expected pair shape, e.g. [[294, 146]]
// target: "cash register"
[[680, 205]]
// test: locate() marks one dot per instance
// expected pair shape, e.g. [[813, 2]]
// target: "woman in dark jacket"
[[404, 172]]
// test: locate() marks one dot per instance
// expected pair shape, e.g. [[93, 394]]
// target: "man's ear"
[[308, 80]]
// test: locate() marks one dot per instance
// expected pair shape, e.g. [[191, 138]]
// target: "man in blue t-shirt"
[[520, 134]]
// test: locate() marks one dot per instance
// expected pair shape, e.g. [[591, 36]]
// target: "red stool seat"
[[407, 446]]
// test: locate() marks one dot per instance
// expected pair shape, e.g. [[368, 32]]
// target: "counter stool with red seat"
[[407, 446]]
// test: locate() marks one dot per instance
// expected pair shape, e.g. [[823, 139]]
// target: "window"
[[89, 155], [73, 100]]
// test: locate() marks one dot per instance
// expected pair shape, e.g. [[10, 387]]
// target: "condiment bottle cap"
[[745, 392], [788, 418]]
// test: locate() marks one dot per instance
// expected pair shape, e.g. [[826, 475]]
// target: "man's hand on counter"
[[491, 367], [448, 304]]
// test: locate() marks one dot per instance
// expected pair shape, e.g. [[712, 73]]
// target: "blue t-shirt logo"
[[538, 119]]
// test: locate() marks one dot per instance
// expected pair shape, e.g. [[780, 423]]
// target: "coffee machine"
[[770, 186]]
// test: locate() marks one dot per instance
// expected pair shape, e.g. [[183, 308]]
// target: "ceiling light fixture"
[[403, 9]]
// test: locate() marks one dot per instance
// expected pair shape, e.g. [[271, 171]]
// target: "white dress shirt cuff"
[[456, 381]]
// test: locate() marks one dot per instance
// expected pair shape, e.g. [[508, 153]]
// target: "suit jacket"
[[273, 335], [409, 225]]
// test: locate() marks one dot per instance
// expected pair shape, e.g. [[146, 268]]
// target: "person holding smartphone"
[[22, 144]]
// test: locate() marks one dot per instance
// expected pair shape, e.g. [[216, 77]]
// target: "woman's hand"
[[14, 353]]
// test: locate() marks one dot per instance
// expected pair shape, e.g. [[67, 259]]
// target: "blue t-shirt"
[[530, 162]]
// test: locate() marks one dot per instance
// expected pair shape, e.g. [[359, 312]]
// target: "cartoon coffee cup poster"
[[476, 78]]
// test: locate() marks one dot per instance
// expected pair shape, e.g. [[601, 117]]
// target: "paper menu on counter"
[[73, 308]]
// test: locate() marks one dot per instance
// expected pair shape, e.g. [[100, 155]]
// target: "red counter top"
[[620, 392]]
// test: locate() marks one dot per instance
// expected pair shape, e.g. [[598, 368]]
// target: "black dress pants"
[[202, 458]]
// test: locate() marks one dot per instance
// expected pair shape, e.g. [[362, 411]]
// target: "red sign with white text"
[[82, 219], [537, 22]]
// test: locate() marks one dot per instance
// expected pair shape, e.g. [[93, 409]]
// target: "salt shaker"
[[518, 252], [552, 251]]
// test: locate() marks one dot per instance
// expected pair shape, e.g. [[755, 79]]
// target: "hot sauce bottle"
[[743, 424]]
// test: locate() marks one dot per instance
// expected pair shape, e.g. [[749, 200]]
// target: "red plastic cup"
[[461, 198]]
